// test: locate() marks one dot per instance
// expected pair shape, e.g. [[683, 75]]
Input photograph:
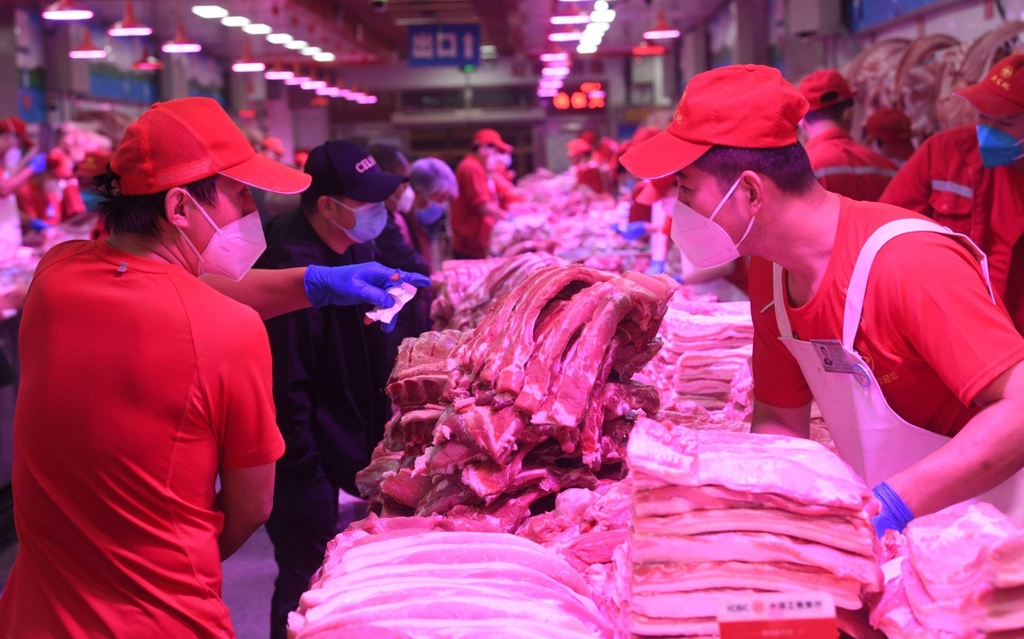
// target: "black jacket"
[[394, 251], [329, 368]]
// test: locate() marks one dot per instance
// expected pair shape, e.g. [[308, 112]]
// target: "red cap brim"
[[988, 102], [662, 155], [263, 173]]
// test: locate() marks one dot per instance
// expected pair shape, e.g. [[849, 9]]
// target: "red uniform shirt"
[[929, 331], [52, 209], [946, 181], [847, 168], [471, 232], [136, 388], [590, 175]]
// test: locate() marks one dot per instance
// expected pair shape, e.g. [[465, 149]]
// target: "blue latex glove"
[[895, 515], [657, 267], [37, 163], [38, 225], [632, 231], [357, 284]]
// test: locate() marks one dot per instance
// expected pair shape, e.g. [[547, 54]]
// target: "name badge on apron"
[[832, 356]]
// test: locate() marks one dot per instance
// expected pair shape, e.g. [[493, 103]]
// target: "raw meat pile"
[[719, 513], [455, 278], [416, 583], [957, 574], [706, 355], [536, 399], [477, 298]]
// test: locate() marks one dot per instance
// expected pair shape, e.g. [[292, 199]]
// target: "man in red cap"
[[53, 195], [840, 164], [889, 132], [165, 386], [476, 210], [13, 133], [971, 178], [923, 387], [588, 173]]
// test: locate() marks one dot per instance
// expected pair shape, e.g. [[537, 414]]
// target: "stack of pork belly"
[[956, 574], [717, 514]]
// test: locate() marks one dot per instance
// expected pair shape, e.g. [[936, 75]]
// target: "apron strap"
[[785, 329], [859, 280]]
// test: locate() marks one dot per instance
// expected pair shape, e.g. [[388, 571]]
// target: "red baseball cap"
[[16, 125], [655, 190], [492, 137], [274, 144], [578, 147], [180, 141], [94, 163], [1001, 91], [747, 106], [825, 88], [889, 125]]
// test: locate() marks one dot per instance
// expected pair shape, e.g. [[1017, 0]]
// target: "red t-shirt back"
[[136, 388], [847, 168], [471, 232], [929, 332]]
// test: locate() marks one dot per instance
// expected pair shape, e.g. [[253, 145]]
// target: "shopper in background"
[[971, 178], [503, 176], [328, 378], [927, 401], [840, 164], [53, 195], [888, 133], [273, 148], [587, 172], [435, 187], [14, 134], [140, 385], [476, 210]]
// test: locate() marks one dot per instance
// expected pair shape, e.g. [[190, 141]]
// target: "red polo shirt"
[[138, 384], [471, 231], [847, 168]]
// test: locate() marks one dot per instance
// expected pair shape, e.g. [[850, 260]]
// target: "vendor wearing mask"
[[328, 364], [924, 395], [52, 196], [840, 164], [433, 186], [971, 178], [476, 210]]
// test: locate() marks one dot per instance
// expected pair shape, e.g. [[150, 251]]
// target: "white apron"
[[868, 434]]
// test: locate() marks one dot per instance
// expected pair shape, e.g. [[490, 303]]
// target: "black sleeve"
[[392, 250]]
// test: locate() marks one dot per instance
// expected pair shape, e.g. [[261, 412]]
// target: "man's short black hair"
[[833, 113], [140, 214], [390, 159], [788, 166]]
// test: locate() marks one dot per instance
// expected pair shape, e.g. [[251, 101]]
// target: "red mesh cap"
[[181, 141], [578, 147], [492, 137], [825, 88], [889, 125], [747, 106], [16, 125], [1001, 92]]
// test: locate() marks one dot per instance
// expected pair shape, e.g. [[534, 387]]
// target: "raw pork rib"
[[958, 573], [719, 513], [416, 583]]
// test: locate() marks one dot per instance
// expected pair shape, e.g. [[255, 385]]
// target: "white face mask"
[[407, 199], [701, 240], [370, 221], [233, 249]]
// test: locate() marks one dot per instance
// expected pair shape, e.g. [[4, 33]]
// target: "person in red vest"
[[888, 133], [840, 164], [476, 209], [587, 172], [53, 195], [971, 178]]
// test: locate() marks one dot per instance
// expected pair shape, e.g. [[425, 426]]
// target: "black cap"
[[345, 169]]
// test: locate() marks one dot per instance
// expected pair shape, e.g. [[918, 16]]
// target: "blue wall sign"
[[444, 45]]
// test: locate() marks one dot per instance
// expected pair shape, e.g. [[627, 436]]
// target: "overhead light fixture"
[[180, 44], [598, 93], [66, 10], [555, 72], [488, 52], [592, 37], [554, 56], [586, 49], [579, 18], [310, 51], [147, 62], [279, 38], [313, 83], [565, 36], [607, 15], [597, 27], [326, 56], [326, 90], [257, 28], [601, 5], [295, 45], [235, 21], [547, 93], [128, 25], [548, 83], [87, 50], [646, 49], [210, 11], [661, 30], [367, 99], [246, 64], [277, 72]]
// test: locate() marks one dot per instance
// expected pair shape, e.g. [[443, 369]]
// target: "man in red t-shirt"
[[971, 178], [476, 210], [931, 349], [840, 164], [588, 173]]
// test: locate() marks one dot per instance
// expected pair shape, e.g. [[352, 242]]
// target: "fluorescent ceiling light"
[[601, 5], [597, 27], [570, 36], [326, 56], [577, 19], [555, 72], [210, 11], [279, 38], [248, 67], [585, 49], [312, 85], [547, 93], [66, 10], [235, 21], [257, 29], [560, 56], [295, 45], [311, 51], [550, 84], [278, 74], [603, 16]]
